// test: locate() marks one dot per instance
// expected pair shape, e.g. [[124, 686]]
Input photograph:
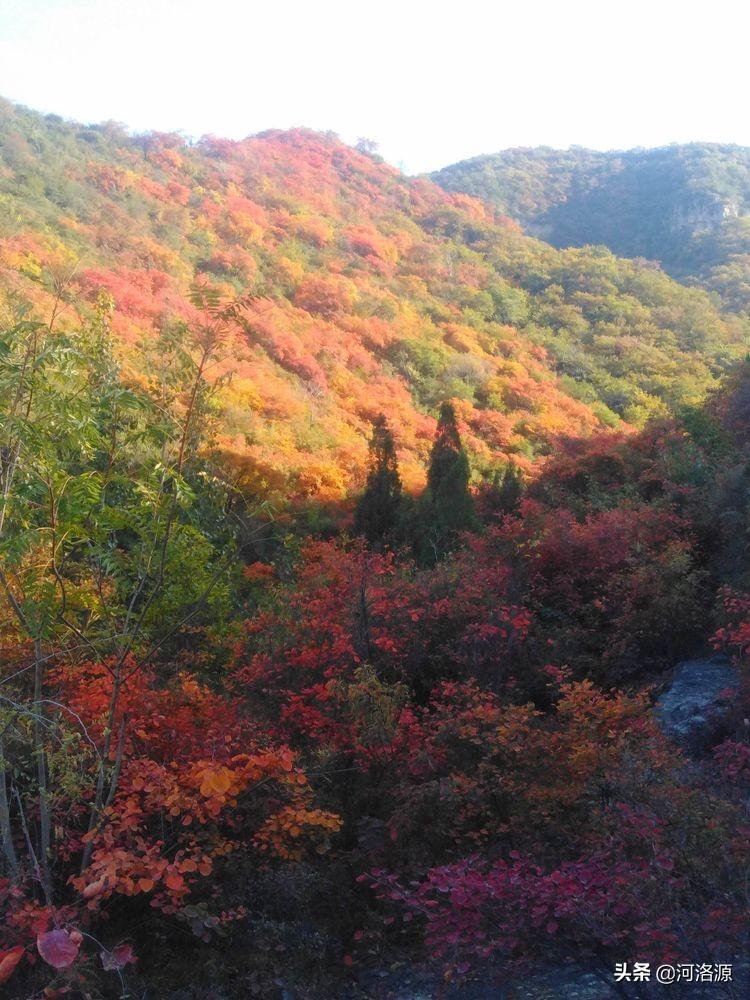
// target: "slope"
[[363, 291]]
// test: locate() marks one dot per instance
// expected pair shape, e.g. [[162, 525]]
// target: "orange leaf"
[[94, 888], [174, 881], [216, 781]]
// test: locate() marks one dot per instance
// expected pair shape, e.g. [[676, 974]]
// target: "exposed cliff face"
[[702, 215]]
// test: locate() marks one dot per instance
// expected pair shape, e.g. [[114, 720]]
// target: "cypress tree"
[[447, 506], [511, 489], [504, 494], [378, 510]]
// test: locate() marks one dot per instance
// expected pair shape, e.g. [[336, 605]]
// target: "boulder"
[[696, 698]]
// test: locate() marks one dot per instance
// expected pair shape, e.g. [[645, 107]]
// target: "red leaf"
[[8, 961], [58, 948], [118, 958]]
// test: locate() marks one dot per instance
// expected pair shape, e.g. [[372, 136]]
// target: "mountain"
[[405, 752], [687, 207], [362, 290]]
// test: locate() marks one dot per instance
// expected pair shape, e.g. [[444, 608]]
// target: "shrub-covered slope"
[[246, 763], [362, 291]]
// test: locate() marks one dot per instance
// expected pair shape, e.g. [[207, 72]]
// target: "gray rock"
[[570, 982], [693, 699]]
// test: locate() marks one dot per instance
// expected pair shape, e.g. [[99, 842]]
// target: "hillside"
[[685, 206], [362, 291], [405, 733]]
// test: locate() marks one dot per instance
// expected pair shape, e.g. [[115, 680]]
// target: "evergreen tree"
[[510, 489], [500, 492], [378, 510], [503, 495], [448, 474], [447, 506]]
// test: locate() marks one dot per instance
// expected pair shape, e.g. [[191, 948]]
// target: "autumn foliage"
[[347, 537], [363, 292]]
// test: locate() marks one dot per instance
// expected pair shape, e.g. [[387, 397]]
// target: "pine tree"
[[503, 493], [510, 489], [447, 506], [378, 510]]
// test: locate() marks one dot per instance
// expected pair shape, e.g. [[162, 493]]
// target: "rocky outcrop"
[[702, 215], [569, 981], [696, 698]]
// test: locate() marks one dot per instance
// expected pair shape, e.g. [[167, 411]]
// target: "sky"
[[430, 82]]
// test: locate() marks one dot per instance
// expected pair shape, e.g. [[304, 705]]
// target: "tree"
[[503, 493], [118, 767], [367, 146], [379, 506], [102, 553], [447, 506]]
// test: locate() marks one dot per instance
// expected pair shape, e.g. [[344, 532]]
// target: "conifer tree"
[[448, 474], [379, 506], [447, 506], [506, 490], [510, 489], [501, 492]]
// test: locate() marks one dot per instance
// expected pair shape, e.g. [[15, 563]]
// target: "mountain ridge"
[[684, 205], [365, 291]]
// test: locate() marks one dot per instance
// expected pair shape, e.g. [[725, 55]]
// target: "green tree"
[[379, 507], [508, 489], [105, 553], [446, 507]]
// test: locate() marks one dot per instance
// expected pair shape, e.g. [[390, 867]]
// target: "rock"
[[695, 698], [551, 983]]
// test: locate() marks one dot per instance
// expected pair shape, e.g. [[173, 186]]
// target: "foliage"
[[117, 779], [379, 508], [446, 507], [216, 742], [362, 292], [685, 206]]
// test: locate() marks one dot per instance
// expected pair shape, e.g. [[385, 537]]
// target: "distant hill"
[[687, 207], [365, 291]]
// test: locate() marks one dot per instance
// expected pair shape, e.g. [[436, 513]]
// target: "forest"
[[348, 539], [687, 206]]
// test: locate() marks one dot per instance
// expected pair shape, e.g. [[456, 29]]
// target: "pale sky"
[[430, 82]]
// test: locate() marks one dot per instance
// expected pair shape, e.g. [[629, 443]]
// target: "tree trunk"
[[6, 830], [45, 824]]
